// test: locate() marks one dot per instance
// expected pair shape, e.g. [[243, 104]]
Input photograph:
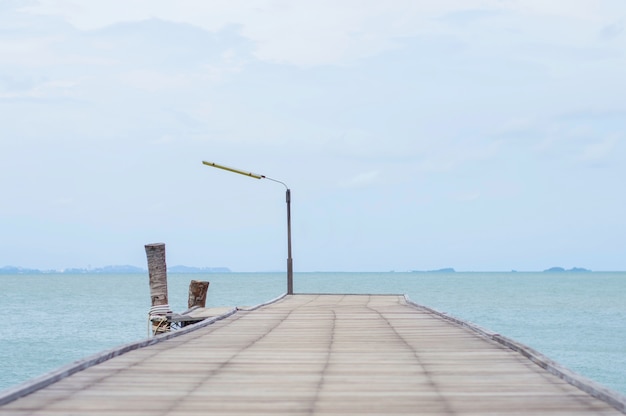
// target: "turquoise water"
[[576, 319]]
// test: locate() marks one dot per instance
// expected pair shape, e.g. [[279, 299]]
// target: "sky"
[[483, 135]]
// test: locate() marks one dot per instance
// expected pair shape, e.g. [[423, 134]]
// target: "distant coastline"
[[128, 269], [116, 269], [550, 270], [561, 269]]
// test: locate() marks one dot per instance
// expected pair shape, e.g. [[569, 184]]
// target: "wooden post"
[[157, 271], [197, 293]]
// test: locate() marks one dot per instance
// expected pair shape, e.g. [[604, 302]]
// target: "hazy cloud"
[[612, 30], [600, 149], [327, 32], [382, 117], [362, 180]]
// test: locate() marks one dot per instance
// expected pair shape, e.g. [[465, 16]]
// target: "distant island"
[[128, 269], [123, 269], [561, 270], [444, 270]]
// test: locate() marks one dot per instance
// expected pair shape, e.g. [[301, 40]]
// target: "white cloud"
[[330, 32], [156, 81], [586, 137], [30, 52], [362, 180], [599, 150], [409, 103], [58, 88], [453, 154]]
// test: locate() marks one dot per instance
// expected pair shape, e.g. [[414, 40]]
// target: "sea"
[[577, 319]]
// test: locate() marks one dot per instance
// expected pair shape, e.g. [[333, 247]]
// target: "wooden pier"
[[317, 355]]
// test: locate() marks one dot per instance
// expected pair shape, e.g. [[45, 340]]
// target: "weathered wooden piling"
[[157, 270], [197, 293]]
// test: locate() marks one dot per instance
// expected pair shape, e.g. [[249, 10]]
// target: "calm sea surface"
[[576, 319]]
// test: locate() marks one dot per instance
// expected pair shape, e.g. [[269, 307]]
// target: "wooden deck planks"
[[317, 355]]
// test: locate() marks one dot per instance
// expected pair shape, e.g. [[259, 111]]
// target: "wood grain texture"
[[317, 355]]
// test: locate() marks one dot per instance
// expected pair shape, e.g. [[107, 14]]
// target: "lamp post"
[[288, 198]]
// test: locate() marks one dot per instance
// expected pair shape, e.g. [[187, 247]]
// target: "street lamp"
[[288, 197]]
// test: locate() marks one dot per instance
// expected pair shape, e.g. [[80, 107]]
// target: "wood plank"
[[318, 355]]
